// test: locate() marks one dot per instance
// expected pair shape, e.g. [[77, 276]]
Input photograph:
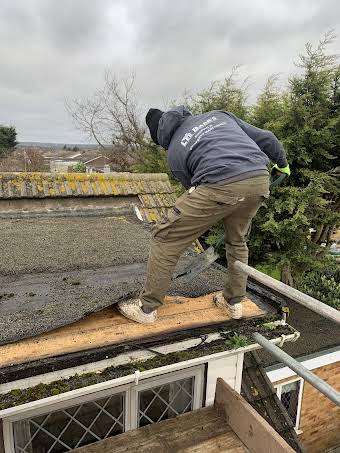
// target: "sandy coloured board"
[[108, 326]]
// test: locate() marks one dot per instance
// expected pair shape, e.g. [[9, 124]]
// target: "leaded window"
[[72, 427], [63, 424], [165, 401], [290, 394]]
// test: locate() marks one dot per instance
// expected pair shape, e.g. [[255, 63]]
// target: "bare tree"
[[24, 159], [111, 116], [31, 159]]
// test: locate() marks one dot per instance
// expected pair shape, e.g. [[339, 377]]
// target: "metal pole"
[[299, 369], [292, 293]]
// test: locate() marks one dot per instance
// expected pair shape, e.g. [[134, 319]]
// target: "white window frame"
[[130, 400], [278, 389], [197, 374]]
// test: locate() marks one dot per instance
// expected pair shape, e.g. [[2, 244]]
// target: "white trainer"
[[235, 310], [132, 309]]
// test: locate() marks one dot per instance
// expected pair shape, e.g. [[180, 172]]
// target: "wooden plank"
[[227, 442], [249, 426], [110, 327], [197, 431]]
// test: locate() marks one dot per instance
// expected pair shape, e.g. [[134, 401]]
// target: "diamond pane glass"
[[70, 428], [165, 401], [290, 398]]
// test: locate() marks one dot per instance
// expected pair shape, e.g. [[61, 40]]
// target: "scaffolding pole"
[[292, 293], [299, 369]]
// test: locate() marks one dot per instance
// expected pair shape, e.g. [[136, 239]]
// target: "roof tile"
[[47, 185], [153, 190]]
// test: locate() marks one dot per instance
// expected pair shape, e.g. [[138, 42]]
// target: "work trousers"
[[193, 214]]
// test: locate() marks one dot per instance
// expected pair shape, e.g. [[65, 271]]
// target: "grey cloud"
[[73, 24], [59, 49]]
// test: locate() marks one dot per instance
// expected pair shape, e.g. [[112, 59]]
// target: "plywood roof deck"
[[109, 327]]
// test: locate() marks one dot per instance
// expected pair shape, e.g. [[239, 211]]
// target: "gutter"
[[125, 358]]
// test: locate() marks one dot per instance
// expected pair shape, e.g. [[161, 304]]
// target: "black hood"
[[152, 120], [169, 123]]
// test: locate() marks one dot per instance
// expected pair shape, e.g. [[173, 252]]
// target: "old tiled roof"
[[153, 190]]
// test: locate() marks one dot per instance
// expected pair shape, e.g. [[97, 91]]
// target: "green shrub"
[[324, 286], [79, 167]]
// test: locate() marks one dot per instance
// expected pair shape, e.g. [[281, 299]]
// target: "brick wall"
[[320, 418]]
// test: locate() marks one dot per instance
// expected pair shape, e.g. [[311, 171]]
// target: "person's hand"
[[277, 169]]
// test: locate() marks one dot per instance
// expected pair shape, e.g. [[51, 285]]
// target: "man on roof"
[[222, 161]]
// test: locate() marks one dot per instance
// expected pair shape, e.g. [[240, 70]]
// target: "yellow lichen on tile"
[[84, 187], [72, 185], [154, 190], [115, 190], [102, 184], [153, 214]]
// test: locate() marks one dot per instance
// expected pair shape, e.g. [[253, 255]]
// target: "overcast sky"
[[56, 49]]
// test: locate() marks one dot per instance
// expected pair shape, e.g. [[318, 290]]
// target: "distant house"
[[98, 164], [64, 161]]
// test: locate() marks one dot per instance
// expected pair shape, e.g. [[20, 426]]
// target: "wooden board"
[[194, 432], [254, 431], [110, 327]]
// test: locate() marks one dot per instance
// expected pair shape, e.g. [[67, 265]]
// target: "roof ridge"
[[62, 185], [7, 176]]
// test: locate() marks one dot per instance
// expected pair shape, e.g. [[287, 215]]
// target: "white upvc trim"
[[239, 372], [311, 364], [278, 389], [196, 372], [51, 400]]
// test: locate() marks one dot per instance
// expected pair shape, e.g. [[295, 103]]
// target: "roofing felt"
[[55, 271], [317, 334], [69, 243]]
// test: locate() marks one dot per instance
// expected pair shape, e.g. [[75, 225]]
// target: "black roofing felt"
[[59, 270], [58, 244], [317, 334], [116, 248], [38, 303]]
